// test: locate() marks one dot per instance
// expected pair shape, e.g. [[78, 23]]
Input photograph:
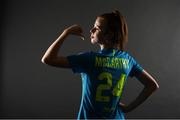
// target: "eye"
[[96, 28], [93, 29]]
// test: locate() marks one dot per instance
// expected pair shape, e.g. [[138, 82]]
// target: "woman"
[[104, 73]]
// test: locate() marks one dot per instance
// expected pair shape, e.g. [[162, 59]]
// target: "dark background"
[[30, 89]]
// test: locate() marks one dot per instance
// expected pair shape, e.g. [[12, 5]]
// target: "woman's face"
[[98, 31]]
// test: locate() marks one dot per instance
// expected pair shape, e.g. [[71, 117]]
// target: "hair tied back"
[[116, 13]]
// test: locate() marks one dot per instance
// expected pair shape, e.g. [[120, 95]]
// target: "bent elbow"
[[157, 87], [154, 87], [45, 60]]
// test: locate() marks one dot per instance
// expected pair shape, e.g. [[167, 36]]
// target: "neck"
[[104, 46]]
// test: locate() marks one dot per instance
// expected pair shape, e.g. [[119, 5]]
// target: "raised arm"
[[150, 85], [51, 55]]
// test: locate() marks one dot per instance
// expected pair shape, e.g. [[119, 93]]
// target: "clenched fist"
[[75, 30]]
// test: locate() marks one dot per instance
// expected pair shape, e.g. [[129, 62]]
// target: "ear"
[[109, 35]]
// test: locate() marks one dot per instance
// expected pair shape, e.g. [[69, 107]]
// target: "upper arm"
[[147, 80], [57, 62]]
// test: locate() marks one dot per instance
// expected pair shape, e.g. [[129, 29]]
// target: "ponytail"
[[123, 30]]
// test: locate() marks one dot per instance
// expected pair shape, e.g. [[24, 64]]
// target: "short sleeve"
[[136, 68], [80, 62]]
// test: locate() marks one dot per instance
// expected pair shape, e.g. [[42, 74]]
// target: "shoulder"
[[81, 54], [126, 55], [85, 53]]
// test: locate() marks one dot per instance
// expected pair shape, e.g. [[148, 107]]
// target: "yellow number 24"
[[117, 90]]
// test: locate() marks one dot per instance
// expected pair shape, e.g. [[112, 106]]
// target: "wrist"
[[65, 32], [63, 35], [125, 108]]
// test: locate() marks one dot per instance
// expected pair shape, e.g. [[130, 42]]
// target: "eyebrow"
[[98, 26]]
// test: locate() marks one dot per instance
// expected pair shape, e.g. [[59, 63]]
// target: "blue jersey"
[[104, 75]]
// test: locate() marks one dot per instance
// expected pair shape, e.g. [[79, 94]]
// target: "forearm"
[[146, 92], [51, 55], [53, 50], [150, 85]]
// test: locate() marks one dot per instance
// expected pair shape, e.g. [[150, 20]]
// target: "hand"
[[75, 30], [124, 107]]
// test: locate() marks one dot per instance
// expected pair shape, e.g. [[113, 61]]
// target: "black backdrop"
[[30, 89]]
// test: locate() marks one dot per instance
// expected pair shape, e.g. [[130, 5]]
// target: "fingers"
[[76, 30], [79, 32], [82, 37]]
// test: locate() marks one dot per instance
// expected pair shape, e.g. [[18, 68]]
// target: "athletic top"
[[104, 74]]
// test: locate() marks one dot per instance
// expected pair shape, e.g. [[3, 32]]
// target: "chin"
[[93, 41]]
